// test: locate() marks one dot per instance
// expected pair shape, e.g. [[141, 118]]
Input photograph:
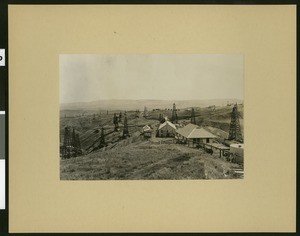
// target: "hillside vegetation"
[[145, 160]]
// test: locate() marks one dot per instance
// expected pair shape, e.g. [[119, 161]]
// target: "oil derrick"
[[145, 112], [67, 137], [102, 138], [78, 144], [174, 118], [193, 118], [120, 117], [160, 117], [235, 132], [75, 146], [125, 129], [73, 143], [137, 114], [67, 143], [116, 122]]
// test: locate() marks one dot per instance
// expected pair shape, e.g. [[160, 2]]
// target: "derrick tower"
[[174, 118], [125, 129], [116, 122], [145, 112], [67, 137], [102, 138], [67, 143], [193, 118], [235, 132]]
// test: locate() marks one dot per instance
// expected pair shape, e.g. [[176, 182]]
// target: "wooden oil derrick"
[[78, 143], [116, 122], [160, 117], [137, 114], [193, 118], [73, 148], [174, 118], [125, 128], [66, 144], [73, 142], [67, 137], [102, 138], [77, 146], [235, 132], [145, 112], [120, 117]]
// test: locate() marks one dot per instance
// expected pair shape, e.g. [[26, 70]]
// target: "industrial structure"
[[193, 118], [174, 118], [71, 144], [102, 138], [145, 112], [235, 132], [116, 122], [125, 128]]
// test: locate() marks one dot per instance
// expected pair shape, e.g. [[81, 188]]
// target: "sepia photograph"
[[151, 116]]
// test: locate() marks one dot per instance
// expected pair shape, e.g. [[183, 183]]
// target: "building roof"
[[146, 128], [167, 123], [194, 131]]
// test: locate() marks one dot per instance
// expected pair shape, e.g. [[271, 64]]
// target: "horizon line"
[[149, 99]]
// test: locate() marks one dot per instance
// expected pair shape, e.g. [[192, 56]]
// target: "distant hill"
[[115, 104]]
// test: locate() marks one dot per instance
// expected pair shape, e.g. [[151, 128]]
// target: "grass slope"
[[146, 160]]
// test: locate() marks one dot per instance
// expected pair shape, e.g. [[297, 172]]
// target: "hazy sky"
[[151, 76]]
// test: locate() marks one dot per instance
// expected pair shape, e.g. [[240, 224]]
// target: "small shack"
[[166, 129], [147, 131], [194, 134], [146, 128]]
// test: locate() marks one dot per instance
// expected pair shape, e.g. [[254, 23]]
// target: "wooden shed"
[[166, 129]]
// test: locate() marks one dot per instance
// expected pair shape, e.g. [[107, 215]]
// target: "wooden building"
[[166, 129], [147, 131], [194, 134]]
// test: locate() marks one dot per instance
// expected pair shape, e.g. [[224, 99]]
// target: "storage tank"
[[238, 152]]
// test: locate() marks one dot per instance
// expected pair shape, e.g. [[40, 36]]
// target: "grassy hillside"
[[146, 160]]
